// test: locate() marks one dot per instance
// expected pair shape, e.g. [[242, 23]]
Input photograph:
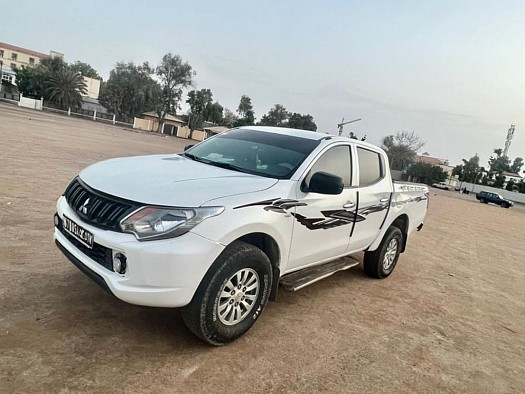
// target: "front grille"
[[99, 253], [96, 208]]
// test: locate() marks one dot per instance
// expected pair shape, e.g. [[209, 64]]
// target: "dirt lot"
[[451, 317]]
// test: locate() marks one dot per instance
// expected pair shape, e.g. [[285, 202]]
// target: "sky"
[[453, 72]]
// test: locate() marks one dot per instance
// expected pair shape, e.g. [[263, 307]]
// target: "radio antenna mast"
[[340, 125], [510, 134]]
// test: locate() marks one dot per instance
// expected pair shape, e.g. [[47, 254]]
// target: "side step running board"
[[299, 279]]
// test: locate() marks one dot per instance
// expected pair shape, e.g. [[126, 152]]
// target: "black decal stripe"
[[387, 211], [253, 204], [356, 210]]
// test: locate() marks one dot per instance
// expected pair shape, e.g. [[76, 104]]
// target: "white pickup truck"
[[218, 228]]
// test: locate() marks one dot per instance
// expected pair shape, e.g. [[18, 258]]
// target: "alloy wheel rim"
[[237, 296], [390, 254]]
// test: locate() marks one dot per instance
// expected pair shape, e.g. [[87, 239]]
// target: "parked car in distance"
[[441, 185], [486, 197]]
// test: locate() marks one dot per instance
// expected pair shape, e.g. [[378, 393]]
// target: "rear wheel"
[[232, 295], [381, 262]]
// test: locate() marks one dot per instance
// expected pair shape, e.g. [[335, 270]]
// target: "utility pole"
[[340, 125], [510, 134]]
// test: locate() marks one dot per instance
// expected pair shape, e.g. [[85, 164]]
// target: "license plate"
[[80, 233]]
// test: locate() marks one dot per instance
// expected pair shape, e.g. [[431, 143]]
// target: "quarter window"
[[336, 161], [370, 166]]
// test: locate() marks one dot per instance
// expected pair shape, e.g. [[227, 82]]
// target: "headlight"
[[158, 223]]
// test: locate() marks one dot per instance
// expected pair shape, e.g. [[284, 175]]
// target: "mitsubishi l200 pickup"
[[217, 229]]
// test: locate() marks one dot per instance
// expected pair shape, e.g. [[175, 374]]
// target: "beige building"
[[174, 126], [13, 57], [16, 57], [441, 163], [93, 87]]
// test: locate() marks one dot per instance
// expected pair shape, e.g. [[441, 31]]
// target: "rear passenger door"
[[373, 197]]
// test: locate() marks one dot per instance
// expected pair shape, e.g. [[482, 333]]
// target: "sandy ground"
[[450, 318]]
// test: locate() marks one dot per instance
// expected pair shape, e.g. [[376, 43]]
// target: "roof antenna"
[[340, 125]]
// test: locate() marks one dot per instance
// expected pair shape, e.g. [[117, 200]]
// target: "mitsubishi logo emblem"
[[83, 207]]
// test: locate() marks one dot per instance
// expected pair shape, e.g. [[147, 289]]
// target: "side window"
[[370, 166], [336, 161]]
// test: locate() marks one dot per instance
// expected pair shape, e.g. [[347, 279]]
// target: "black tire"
[[504, 205], [374, 262], [203, 316], [481, 200]]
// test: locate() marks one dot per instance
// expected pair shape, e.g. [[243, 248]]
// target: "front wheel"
[[504, 205], [381, 262], [482, 200], [232, 295]]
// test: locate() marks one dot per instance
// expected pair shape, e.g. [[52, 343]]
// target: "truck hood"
[[171, 180]]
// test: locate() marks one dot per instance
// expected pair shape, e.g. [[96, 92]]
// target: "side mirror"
[[325, 183], [188, 147]]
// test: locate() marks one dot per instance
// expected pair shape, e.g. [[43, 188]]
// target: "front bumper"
[[162, 273]]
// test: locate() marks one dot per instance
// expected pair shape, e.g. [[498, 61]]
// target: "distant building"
[[439, 162], [93, 87], [512, 176], [13, 57]]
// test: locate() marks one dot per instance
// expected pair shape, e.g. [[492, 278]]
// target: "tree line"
[[492, 175], [133, 89], [56, 81], [401, 150]]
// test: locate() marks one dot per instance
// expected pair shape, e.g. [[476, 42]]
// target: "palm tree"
[[65, 88]]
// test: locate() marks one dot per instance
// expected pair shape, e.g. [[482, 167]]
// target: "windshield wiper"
[[196, 158], [228, 166], [217, 163]]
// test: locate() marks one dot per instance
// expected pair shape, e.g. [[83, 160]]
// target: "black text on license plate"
[[78, 232]]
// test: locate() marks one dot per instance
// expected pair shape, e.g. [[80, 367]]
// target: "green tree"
[[199, 101], [130, 90], [30, 81], [276, 116], [85, 69], [229, 119], [303, 122], [510, 185], [499, 163], [516, 165], [401, 149], [174, 75], [65, 89], [53, 64], [470, 170], [214, 113], [245, 111], [427, 173]]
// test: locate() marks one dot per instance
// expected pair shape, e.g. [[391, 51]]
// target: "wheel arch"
[[402, 223], [270, 247]]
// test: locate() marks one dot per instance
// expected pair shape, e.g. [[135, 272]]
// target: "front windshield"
[[256, 152]]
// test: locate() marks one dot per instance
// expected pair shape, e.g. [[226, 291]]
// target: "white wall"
[[30, 103], [512, 196]]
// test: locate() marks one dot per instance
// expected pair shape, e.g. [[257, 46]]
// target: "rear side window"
[[335, 161], [370, 166]]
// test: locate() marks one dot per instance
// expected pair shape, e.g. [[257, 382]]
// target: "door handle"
[[349, 205], [384, 200]]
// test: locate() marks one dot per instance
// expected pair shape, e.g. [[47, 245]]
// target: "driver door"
[[323, 223]]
